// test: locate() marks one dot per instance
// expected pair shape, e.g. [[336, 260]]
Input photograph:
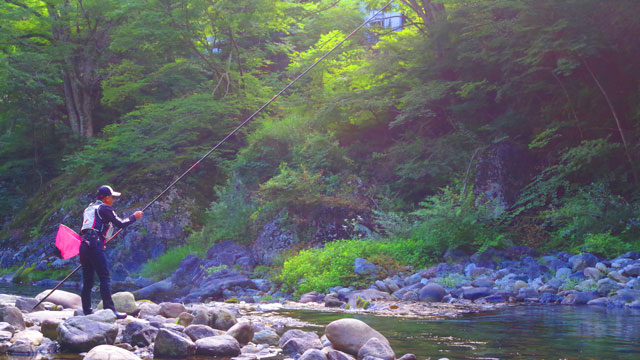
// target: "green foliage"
[[162, 266], [214, 269], [452, 221], [607, 245], [333, 265]]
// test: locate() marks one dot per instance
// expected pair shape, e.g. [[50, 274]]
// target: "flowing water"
[[517, 332]]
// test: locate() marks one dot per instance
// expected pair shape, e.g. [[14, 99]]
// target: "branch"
[[24, 6]]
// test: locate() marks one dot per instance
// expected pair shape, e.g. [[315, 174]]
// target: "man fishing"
[[98, 223]]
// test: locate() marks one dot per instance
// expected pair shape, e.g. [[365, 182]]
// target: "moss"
[[233, 300], [362, 304]]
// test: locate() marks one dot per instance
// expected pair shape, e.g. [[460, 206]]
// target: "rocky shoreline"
[[173, 330]]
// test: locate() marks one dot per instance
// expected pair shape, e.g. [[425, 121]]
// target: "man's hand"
[[138, 215]]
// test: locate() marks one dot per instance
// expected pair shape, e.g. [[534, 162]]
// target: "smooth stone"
[[148, 309], [110, 352], [606, 286], [200, 317], [376, 349], [22, 348], [432, 292], [139, 333], [173, 345], [601, 301], [349, 335], [476, 293], [79, 333], [185, 319], [313, 354], [602, 267], [12, 315], [5, 335], [125, 302], [617, 277], [224, 319], [26, 305], [563, 273], [242, 331], [269, 337], [296, 342], [32, 336], [592, 273], [171, 310], [218, 346], [629, 271], [38, 317], [579, 298], [63, 298], [333, 354], [198, 331]]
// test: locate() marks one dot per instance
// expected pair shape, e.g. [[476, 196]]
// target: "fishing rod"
[[235, 131]]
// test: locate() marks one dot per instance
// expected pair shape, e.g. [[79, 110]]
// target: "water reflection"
[[542, 332]]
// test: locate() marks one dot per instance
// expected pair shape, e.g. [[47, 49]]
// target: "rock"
[[157, 291], [586, 285], [295, 342], [149, 309], [223, 319], [185, 319], [26, 304], [125, 302], [110, 352], [31, 336], [200, 317], [5, 336], [274, 238], [80, 333], [601, 301], [624, 297], [592, 273], [602, 267], [579, 298], [408, 357], [475, 293], [367, 295], [482, 282], [105, 316], [313, 354], [617, 277], [519, 284], [47, 346], [349, 335], [22, 347], [63, 298], [527, 293], [171, 310], [337, 355], [432, 292], [242, 331], [332, 300], [607, 286], [309, 297], [139, 333], [266, 337], [364, 267], [172, 345], [219, 346], [12, 315], [629, 271], [5, 326], [376, 349], [198, 331], [379, 284], [391, 285], [563, 273]]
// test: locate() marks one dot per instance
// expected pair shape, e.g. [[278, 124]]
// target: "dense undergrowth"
[[385, 141]]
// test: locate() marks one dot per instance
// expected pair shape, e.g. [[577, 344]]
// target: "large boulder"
[[171, 344], [27, 305], [49, 328], [63, 298], [110, 352], [376, 349], [12, 315], [81, 333], [218, 346], [349, 335]]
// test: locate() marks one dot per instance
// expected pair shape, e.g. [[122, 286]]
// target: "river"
[[515, 332]]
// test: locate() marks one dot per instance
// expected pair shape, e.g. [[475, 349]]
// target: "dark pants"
[[92, 259]]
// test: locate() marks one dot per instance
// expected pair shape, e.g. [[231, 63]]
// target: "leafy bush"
[[605, 244], [450, 221], [333, 265], [162, 266]]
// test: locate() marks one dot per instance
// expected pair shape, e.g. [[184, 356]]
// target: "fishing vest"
[[92, 220]]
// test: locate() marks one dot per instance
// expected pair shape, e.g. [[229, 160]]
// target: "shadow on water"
[[519, 332]]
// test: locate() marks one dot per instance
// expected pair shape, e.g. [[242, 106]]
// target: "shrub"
[[162, 266], [333, 265]]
